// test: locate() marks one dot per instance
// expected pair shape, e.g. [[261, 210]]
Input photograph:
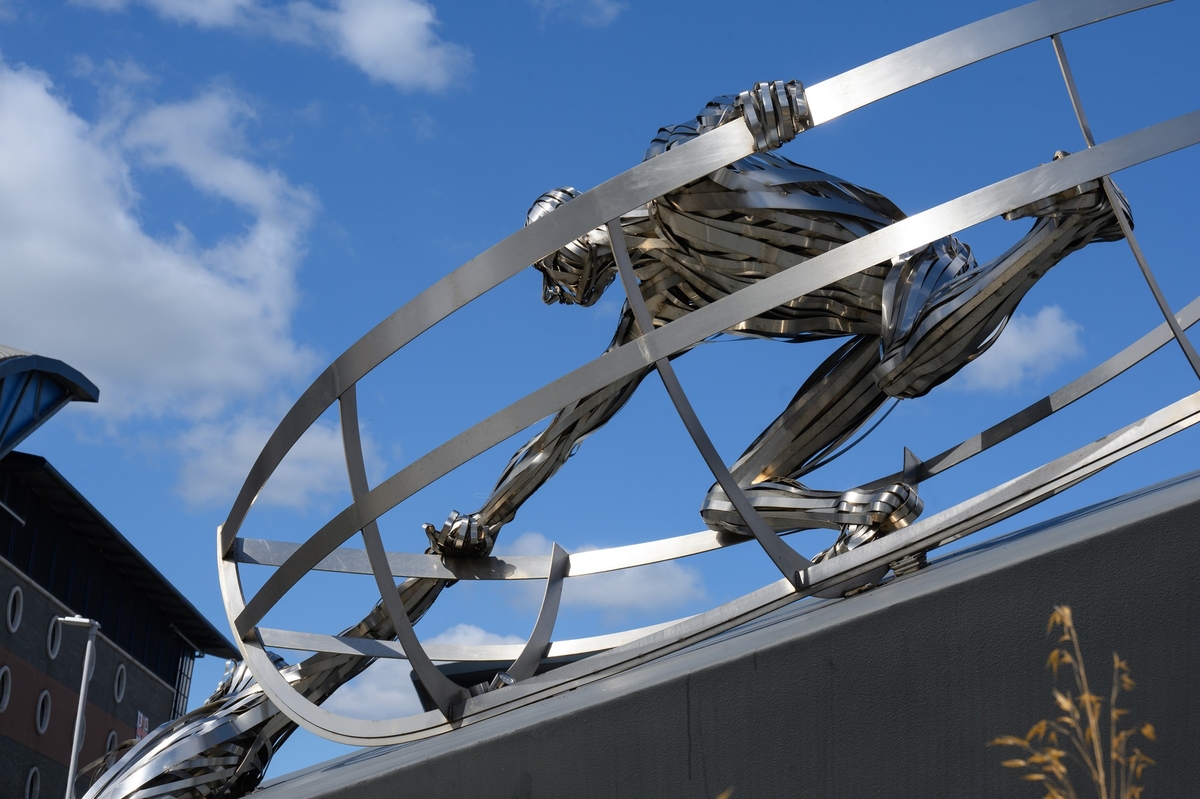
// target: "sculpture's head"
[[579, 272]]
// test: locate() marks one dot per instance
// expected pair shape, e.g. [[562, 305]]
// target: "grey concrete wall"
[[891, 693]]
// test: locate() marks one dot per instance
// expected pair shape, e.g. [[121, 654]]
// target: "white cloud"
[[644, 589], [205, 13], [658, 587], [1029, 347], [596, 13], [393, 41], [163, 327], [385, 689], [218, 455], [470, 635], [194, 336]]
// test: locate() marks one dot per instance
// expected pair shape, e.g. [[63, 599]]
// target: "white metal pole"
[[89, 654]]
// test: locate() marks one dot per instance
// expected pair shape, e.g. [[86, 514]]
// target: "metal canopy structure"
[[32, 389]]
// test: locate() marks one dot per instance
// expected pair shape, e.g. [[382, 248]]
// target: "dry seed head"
[[1007, 740]]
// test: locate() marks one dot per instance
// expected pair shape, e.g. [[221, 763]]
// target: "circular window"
[[42, 716], [33, 783], [53, 637], [5, 687], [110, 743], [119, 682], [16, 605]]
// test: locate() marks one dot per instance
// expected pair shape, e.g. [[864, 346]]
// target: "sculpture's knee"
[[888, 509], [719, 513], [783, 504]]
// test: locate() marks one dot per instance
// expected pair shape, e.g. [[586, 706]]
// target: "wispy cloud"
[[385, 689], [595, 13], [196, 337], [217, 455], [165, 327], [645, 589], [393, 41], [1028, 348], [470, 635]]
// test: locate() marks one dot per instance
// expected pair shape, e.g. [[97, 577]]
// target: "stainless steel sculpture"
[[704, 235]]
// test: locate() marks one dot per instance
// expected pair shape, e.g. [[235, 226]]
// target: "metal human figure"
[[912, 323]]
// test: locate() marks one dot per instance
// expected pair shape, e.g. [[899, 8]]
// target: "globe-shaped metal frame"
[[601, 206]]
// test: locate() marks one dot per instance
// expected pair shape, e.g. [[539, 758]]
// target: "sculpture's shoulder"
[[719, 110], [770, 177]]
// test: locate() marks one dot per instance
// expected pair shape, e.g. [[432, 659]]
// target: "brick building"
[[60, 557]]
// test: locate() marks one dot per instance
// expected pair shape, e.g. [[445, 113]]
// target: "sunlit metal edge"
[[952, 216], [629, 190], [951, 51], [344, 645], [987, 508]]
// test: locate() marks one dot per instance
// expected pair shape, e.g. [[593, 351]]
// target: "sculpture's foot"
[[786, 505], [860, 515], [462, 536], [891, 509], [1088, 200]]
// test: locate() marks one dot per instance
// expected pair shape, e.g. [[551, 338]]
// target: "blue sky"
[[203, 202]]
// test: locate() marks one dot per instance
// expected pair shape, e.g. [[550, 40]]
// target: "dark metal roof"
[[32, 389], [74, 509]]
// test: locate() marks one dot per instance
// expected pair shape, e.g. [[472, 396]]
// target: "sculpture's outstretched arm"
[[578, 274], [537, 461]]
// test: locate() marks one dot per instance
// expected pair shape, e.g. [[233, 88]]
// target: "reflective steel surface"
[[713, 232]]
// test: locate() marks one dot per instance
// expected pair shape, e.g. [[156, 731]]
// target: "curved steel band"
[[646, 181], [954, 50], [261, 552], [988, 508], [608, 201], [905, 235]]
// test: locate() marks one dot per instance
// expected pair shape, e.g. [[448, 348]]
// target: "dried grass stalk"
[[1074, 738]]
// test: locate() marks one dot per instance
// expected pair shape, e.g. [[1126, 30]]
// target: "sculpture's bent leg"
[[940, 312], [222, 749], [834, 402], [961, 317], [537, 462]]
